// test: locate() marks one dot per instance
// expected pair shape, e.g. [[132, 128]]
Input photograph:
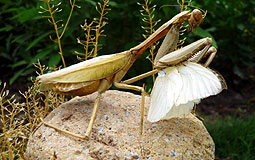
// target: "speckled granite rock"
[[116, 133]]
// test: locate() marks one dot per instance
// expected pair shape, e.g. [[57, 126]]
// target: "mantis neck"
[[176, 21], [139, 49]]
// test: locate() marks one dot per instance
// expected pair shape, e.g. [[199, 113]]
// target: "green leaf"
[[113, 4], [38, 40], [26, 14], [42, 53], [203, 33], [5, 29], [22, 39], [54, 60], [5, 55], [20, 63], [28, 71], [91, 2], [23, 72], [16, 75]]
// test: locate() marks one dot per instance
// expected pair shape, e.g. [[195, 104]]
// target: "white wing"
[[198, 82], [164, 93], [178, 111], [178, 88]]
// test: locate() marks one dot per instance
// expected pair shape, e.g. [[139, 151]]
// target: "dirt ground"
[[229, 103]]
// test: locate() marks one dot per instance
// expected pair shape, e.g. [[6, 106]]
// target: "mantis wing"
[[93, 69], [175, 92]]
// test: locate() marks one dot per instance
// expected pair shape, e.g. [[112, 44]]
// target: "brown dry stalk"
[[56, 30], [148, 18], [51, 11], [100, 23]]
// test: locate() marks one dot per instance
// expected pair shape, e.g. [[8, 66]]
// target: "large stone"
[[116, 133]]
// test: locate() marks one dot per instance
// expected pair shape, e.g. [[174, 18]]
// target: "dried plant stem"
[[3, 117], [182, 5], [94, 31], [102, 14], [87, 42], [50, 10], [28, 111], [150, 16], [56, 30], [46, 112], [69, 17]]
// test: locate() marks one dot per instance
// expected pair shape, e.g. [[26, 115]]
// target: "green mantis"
[[100, 73]]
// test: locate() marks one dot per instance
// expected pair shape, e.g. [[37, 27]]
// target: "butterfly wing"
[[178, 111], [198, 82], [178, 88], [164, 93]]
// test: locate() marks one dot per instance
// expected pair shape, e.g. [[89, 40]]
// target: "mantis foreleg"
[[168, 45], [212, 51]]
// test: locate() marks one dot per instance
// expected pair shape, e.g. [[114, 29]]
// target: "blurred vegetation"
[[25, 34], [234, 138]]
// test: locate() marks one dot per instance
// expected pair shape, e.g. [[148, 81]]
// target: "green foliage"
[[234, 138], [232, 25], [25, 34]]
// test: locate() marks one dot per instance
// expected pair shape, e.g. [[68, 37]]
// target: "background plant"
[[19, 120], [234, 138], [25, 35]]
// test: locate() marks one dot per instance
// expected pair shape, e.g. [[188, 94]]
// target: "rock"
[[115, 133]]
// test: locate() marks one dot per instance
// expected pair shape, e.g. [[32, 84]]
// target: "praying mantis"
[[182, 82], [100, 73]]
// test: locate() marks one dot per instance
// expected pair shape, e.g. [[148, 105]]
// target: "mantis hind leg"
[[90, 126], [103, 86], [93, 116]]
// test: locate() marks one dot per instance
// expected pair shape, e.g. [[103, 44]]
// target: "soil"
[[229, 103]]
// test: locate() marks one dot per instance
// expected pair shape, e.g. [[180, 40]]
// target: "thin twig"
[[56, 30], [69, 17], [102, 14]]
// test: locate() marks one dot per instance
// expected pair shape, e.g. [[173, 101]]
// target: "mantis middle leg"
[[139, 89]]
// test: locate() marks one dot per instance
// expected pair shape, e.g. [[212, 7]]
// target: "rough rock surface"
[[115, 133]]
